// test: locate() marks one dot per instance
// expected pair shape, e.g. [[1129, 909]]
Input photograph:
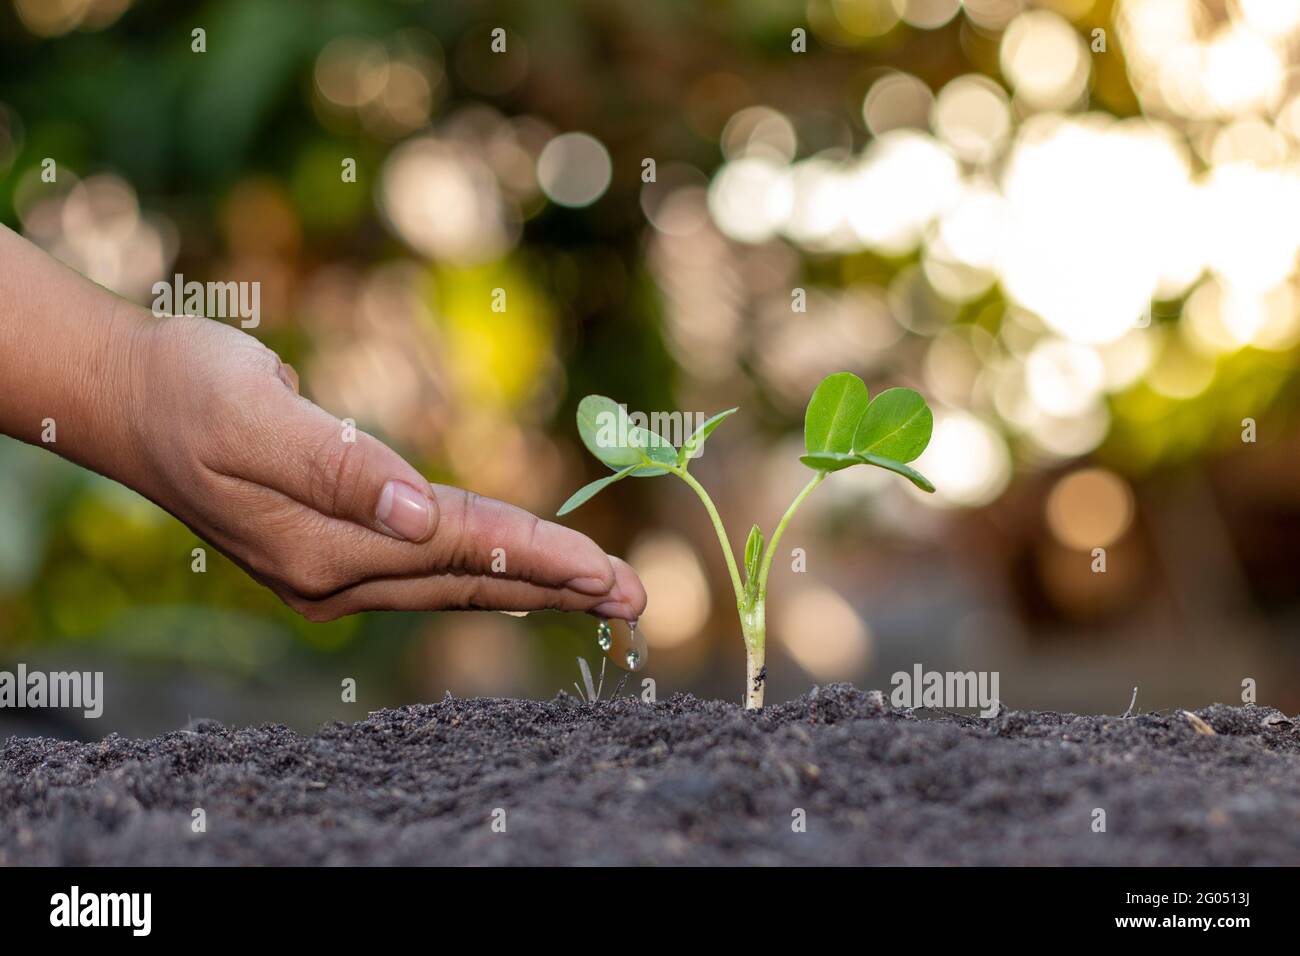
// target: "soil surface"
[[682, 781]]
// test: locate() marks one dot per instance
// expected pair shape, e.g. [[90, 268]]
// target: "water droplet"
[[636, 648], [622, 644]]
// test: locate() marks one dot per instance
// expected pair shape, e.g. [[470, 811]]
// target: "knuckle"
[[533, 530], [487, 525], [335, 474], [472, 597], [310, 579], [460, 594], [455, 531]]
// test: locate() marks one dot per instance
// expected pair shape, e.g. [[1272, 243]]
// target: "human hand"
[[219, 436]]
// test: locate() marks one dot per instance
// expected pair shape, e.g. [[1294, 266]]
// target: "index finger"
[[475, 536], [478, 535]]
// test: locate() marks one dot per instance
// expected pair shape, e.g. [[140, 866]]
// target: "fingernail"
[[593, 586], [288, 375], [403, 511], [617, 609]]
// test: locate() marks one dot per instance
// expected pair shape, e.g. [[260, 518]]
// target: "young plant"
[[842, 427]]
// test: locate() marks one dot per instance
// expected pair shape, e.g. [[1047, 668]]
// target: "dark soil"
[[683, 781]]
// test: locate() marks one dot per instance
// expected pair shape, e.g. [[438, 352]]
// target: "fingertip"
[[614, 609], [406, 512], [591, 570], [628, 587], [591, 586]]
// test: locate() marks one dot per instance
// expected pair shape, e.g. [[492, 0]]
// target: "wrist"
[[69, 358], [94, 398], [113, 370]]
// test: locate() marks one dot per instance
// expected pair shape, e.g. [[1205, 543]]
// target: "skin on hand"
[[328, 517], [207, 422]]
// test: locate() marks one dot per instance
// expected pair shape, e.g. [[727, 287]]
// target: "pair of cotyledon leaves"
[[843, 426]]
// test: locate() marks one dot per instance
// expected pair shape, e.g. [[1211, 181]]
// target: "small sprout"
[[1198, 724], [753, 554], [592, 695], [593, 690], [692, 446], [843, 427], [1131, 704]]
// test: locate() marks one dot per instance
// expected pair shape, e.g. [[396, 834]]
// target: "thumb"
[[336, 469]]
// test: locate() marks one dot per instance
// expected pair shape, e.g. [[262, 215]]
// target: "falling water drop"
[[637, 650], [622, 644]]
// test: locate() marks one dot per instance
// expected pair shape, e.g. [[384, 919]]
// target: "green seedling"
[[843, 427]]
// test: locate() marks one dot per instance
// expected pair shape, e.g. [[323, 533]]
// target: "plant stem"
[[753, 623], [753, 613], [751, 596], [686, 476], [766, 566]]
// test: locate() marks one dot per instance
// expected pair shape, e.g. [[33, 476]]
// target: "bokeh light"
[[444, 201], [972, 116], [895, 101], [98, 228], [751, 198], [1044, 60], [967, 460], [574, 169], [823, 634], [1090, 508], [667, 564], [49, 18]]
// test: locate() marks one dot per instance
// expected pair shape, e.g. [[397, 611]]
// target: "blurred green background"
[[1072, 224]]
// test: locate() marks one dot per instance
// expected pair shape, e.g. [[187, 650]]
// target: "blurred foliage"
[[236, 152]]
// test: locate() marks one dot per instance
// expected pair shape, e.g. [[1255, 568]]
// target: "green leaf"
[[753, 552], [691, 447], [609, 434], [599, 419], [890, 464], [836, 407], [897, 425], [658, 454], [830, 461], [589, 491]]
